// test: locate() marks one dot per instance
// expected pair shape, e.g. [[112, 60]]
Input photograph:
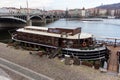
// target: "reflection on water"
[[5, 26], [4, 36]]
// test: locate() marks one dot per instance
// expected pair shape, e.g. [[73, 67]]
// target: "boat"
[[72, 42], [111, 17], [93, 19]]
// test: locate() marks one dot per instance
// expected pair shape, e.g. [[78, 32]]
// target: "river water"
[[106, 27]]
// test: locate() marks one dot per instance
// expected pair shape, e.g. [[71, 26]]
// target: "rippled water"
[[107, 27]]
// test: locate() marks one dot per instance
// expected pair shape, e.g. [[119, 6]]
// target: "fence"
[[108, 41]]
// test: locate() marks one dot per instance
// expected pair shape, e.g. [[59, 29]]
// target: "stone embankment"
[[53, 68]]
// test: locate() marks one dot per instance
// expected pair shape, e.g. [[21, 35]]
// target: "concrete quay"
[[31, 75], [52, 68]]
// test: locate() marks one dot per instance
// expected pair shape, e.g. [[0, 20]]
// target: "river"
[[106, 27]]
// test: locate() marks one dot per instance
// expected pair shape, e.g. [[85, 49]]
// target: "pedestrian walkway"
[[113, 60], [31, 75], [4, 75]]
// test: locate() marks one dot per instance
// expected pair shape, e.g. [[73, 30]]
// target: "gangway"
[[55, 53]]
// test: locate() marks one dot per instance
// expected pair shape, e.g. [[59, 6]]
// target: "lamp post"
[[115, 43], [79, 40]]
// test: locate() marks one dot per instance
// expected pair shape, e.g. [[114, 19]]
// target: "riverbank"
[[53, 68]]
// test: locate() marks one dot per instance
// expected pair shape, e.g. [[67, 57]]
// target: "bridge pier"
[[49, 20], [29, 22], [52, 19], [44, 21], [38, 22]]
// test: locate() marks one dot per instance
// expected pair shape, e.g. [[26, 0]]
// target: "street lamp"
[[79, 40]]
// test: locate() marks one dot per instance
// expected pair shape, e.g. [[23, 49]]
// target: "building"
[[4, 10], [60, 13], [77, 13], [10, 10], [96, 12], [92, 12], [102, 12], [117, 13], [83, 12]]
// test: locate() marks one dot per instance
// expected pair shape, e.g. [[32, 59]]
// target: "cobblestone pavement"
[[22, 70]]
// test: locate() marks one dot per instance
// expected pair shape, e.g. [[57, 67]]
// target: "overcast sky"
[[55, 4]]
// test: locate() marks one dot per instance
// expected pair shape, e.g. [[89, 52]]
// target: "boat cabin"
[[57, 37]]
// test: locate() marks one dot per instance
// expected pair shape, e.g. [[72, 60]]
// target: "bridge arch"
[[36, 17], [13, 19], [48, 17], [54, 16]]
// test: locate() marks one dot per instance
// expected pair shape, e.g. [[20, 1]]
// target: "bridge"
[[29, 19]]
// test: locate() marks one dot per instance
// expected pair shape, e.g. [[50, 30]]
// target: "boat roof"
[[35, 27], [82, 35]]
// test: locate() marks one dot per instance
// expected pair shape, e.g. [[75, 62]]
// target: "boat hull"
[[92, 54]]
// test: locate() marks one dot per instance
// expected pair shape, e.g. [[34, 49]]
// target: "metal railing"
[[110, 42]]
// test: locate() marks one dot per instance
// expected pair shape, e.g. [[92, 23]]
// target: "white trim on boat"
[[45, 33]]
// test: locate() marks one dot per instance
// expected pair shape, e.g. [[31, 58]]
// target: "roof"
[[82, 35], [34, 27]]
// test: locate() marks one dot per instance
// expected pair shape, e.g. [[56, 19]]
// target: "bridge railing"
[[12, 14]]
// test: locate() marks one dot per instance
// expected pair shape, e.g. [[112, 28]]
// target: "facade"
[[73, 13], [56, 12], [96, 12], [117, 13], [31, 11], [77, 13], [13, 10], [10, 10], [83, 13], [3, 10], [112, 12], [69, 41], [102, 12], [92, 12]]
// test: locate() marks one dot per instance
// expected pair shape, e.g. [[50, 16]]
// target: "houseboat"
[[70, 42]]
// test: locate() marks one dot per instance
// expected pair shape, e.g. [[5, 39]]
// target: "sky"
[[56, 4]]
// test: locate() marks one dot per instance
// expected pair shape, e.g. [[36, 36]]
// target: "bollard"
[[104, 69]]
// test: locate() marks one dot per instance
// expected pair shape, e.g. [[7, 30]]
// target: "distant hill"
[[110, 6]]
